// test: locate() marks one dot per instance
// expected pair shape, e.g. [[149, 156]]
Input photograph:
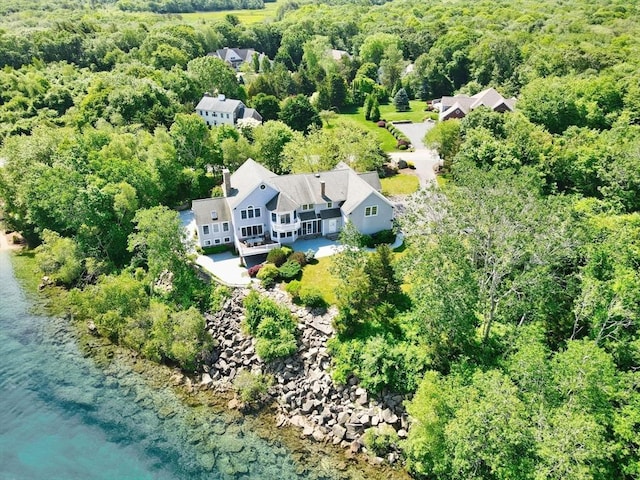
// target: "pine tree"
[[375, 110], [401, 100], [368, 102]]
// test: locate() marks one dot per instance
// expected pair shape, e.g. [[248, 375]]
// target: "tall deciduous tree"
[[299, 114]]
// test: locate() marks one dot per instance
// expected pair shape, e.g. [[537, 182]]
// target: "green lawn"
[[318, 276], [387, 112], [401, 184], [246, 16]]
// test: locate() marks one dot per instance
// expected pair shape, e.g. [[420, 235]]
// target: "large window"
[[286, 218], [252, 231], [216, 227], [371, 211], [225, 226], [205, 229], [250, 212]]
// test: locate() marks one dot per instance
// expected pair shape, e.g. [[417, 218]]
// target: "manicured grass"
[[387, 112], [246, 17], [401, 184], [318, 275]]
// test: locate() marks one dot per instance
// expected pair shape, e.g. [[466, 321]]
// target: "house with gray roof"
[[261, 210], [236, 57], [220, 110], [460, 105]]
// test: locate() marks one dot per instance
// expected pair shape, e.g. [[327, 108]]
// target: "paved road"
[[425, 159]]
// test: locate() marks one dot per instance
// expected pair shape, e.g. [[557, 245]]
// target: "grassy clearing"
[[246, 17], [318, 275], [401, 184], [388, 112]]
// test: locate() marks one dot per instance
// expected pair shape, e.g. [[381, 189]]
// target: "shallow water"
[[62, 417]]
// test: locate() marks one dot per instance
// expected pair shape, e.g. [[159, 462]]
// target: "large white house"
[[460, 105], [261, 210], [220, 110]]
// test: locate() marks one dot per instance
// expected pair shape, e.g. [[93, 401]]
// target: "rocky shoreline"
[[304, 391]]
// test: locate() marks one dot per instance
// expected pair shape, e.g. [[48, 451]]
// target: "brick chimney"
[[226, 182], [322, 188]]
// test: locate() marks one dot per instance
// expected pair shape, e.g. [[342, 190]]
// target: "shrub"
[[382, 123], [402, 141], [380, 440], [252, 387], [299, 257], [289, 270], [253, 271], [268, 275], [258, 308], [378, 238], [287, 250], [402, 146], [214, 249], [293, 289], [310, 254], [277, 256], [283, 346], [311, 297]]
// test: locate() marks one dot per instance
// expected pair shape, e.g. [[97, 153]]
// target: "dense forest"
[[511, 320]]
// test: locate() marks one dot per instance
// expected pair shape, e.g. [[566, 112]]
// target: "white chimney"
[[221, 97], [226, 182]]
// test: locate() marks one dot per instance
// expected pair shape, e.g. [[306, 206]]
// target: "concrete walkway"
[[425, 159]]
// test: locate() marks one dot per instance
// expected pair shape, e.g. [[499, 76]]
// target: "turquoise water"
[[62, 417]]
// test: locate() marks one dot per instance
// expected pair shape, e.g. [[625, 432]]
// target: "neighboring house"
[[261, 210], [236, 57], [220, 110], [460, 105], [338, 54]]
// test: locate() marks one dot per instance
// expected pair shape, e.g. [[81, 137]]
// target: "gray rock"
[[338, 433], [307, 407]]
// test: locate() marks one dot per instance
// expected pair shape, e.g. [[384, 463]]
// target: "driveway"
[[426, 160]]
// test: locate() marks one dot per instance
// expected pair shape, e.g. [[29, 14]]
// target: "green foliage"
[[277, 256], [311, 297], [59, 258], [293, 289], [401, 100], [445, 138], [252, 387], [289, 270], [380, 440], [273, 326], [299, 114]]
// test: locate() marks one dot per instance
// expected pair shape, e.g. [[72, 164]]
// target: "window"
[[227, 115], [206, 113], [214, 114], [216, 228], [225, 226], [227, 239], [295, 214], [289, 234], [205, 229], [217, 241], [252, 231], [274, 217], [308, 206], [207, 243], [286, 218], [274, 234], [214, 215], [371, 211], [329, 204], [250, 212]]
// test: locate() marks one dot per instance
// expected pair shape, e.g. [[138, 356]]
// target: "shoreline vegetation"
[[324, 459]]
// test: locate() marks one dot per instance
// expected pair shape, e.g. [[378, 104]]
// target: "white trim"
[[371, 211]]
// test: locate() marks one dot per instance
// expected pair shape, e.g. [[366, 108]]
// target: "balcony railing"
[[255, 246], [286, 227]]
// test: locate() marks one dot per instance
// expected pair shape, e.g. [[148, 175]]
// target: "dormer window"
[[214, 215], [329, 204]]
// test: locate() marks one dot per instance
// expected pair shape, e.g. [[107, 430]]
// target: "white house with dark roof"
[[236, 57], [261, 210], [460, 105], [220, 110]]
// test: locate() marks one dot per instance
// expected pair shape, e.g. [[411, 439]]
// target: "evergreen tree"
[[375, 110], [401, 100]]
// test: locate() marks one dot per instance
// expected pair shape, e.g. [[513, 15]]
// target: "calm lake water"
[[62, 417]]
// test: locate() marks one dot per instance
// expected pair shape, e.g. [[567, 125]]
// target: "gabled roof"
[[251, 113], [203, 209], [234, 54], [489, 98], [245, 179], [219, 104], [342, 186]]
